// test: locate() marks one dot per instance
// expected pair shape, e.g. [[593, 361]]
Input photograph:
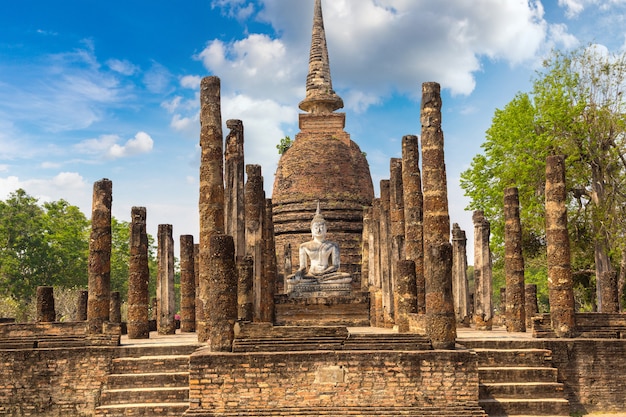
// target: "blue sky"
[[93, 89]]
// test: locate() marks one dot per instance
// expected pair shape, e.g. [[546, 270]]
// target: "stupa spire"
[[320, 97]]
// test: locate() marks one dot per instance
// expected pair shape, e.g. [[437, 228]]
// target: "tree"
[[284, 144], [576, 108]]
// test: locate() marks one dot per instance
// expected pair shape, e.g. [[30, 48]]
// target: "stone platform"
[[352, 310]]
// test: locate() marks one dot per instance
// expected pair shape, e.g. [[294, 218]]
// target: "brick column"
[[245, 276], [187, 285], [560, 281], [255, 214], [483, 299], [81, 305], [460, 285], [138, 276], [166, 301], [413, 213], [396, 210], [45, 305], [221, 293], [234, 189], [385, 252], [270, 271], [365, 248], [115, 307], [211, 203], [531, 307], [513, 263], [405, 294], [440, 320], [100, 256]]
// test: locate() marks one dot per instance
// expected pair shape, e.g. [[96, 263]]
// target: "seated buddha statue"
[[322, 255]]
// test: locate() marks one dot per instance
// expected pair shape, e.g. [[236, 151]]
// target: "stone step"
[[151, 364], [157, 350], [146, 380], [145, 395], [514, 357], [503, 344], [147, 410], [488, 375], [453, 411], [521, 390], [525, 406], [281, 345]]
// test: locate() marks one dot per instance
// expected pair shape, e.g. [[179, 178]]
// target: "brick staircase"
[[516, 379], [459, 411], [148, 381]]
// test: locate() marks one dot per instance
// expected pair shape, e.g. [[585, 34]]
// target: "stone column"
[[221, 293], [187, 285], [503, 303], [460, 285], [531, 307], [560, 282], [413, 213], [138, 276], [255, 213], [234, 189], [483, 300], [200, 323], [100, 256], [81, 305], [245, 276], [385, 252], [513, 263], [45, 305], [365, 248], [115, 308], [405, 295], [375, 251], [211, 202], [270, 271], [396, 210], [166, 301], [440, 320], [287, 267]]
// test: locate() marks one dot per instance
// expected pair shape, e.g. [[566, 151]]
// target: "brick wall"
[[52, 382], [593, 371], [226, 383]]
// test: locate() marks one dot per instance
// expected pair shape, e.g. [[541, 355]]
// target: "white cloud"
[[191, 81], [141, 143], [124, 67], [50, 165], [108, 146], [70, 186], [573, 8], [190, 126], [157, 78]]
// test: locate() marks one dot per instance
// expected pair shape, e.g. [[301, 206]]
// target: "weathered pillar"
[[211, 202], [413, 213], [100, 256], [45, 305], [365, 248], [255, 213], [221, 293], [115, 307], [405, 294], [187, 285], [270, 271], [513, 263], [385, 252], [234, 189], [81, 305], [201, 329], [560, 282], [483, 300], [245, 276], [138, 276], [440, 320], [396, 210], [460, 285], [531, 307], [166, 301], [375, 251], [503, 303]]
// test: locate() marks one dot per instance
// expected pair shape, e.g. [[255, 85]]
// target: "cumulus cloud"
[[70, 186], [573, 8], [380, 47], [108, 146]]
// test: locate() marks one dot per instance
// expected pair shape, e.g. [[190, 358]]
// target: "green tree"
[[284, 144], [120, 256], [576, 108]]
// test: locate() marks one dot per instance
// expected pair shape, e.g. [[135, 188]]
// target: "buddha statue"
[[323, 256]]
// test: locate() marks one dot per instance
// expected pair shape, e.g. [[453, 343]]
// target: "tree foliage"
[[576, 108]]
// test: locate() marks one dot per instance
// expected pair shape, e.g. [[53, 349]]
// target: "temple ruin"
[[323, 300]]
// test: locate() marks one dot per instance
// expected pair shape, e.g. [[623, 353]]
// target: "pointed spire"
[[320, 97]]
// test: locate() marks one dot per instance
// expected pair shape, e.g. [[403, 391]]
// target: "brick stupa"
[[322, 164]]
